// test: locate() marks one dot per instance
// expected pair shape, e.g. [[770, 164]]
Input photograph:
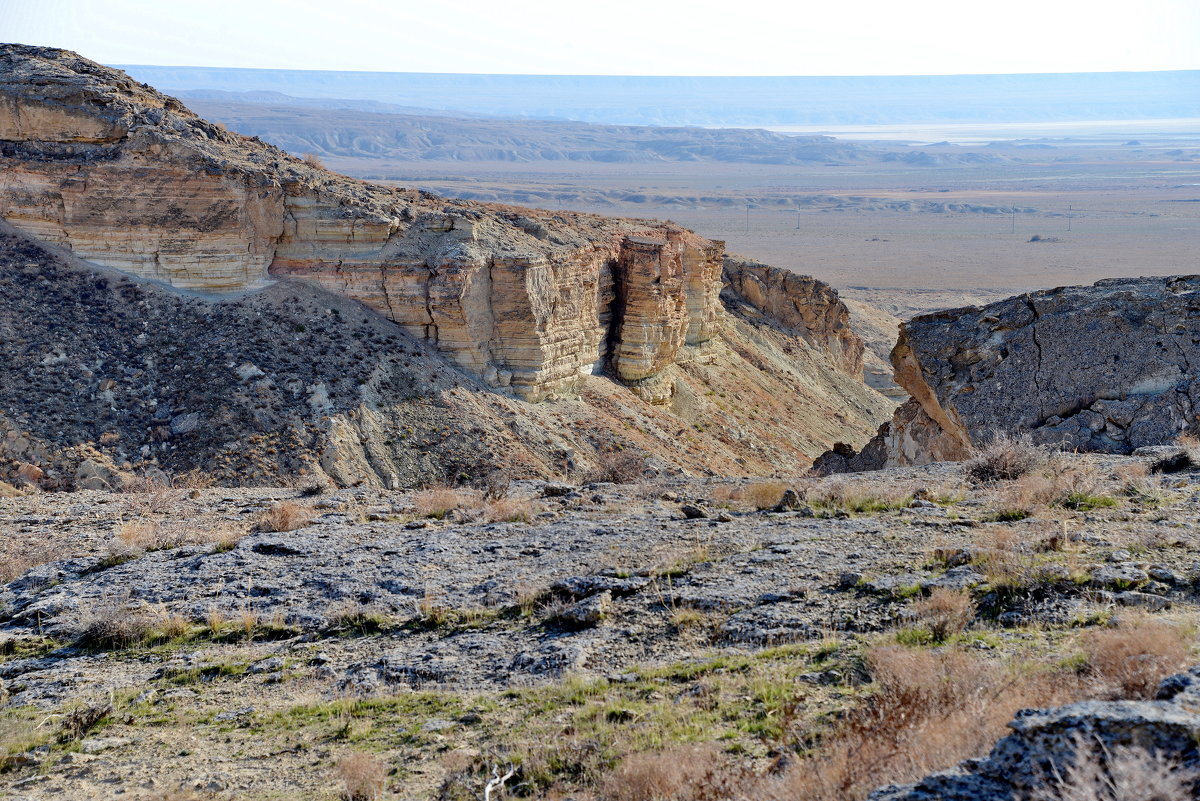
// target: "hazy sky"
[[623, 37]]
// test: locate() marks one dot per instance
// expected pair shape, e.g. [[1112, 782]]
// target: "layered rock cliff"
[[216, 289], [1108, 368], [799, 303], [127, 177]]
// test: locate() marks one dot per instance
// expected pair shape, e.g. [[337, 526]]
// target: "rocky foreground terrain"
[[262, 643]]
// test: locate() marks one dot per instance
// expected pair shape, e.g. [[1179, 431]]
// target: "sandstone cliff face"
[[126, 177], [1106, 368], [798, 302], [248, 376]]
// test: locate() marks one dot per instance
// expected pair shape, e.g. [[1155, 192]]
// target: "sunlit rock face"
[[528, 300]]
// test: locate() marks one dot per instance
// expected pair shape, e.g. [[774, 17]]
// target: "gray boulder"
[[1105, 368]]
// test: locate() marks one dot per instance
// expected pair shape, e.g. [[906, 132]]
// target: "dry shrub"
[[510, 510], [285, 516], [1061, 481], [698, 773], [931, 710], [363, 776], [945, 612], [764, 494], [143, 534], [19, 556], [1120, 774], [1004, 458], [859, 496], [313, 160], [193, 479], [616, 467], [82, 719], [112, 625], [437, 502], [1130, 661]]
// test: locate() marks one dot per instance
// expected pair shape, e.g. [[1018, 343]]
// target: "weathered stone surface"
[[1105, 368], [801, 303]]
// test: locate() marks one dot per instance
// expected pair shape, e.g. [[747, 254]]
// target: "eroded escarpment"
[[1106, 368], [126, 177], [800, 303]]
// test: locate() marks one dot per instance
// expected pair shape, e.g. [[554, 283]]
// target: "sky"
[[623, 37]]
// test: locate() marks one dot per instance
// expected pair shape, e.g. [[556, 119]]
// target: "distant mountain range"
[[336, 128], [726, 101]]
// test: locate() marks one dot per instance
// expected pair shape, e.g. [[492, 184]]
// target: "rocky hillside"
[[271, 317], [1105, 368]]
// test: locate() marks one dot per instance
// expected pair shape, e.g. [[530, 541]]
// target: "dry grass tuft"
[[1131, 660], [616, 467], [1120, 774], [1005, 457], [945, 612], [764, 494], [285, 516], [363, 777], [510, 510], [699, 773], [858, 496], [437, 502], [20, 555]]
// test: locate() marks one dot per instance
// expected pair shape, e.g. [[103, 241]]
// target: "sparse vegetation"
[[285, 516], [1005, 457], [945, 612], [363, 776], [616, 467]]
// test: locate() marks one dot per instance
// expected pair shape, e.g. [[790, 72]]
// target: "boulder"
[[1105, 368]]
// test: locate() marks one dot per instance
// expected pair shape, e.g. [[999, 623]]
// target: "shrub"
[[616, 467], [1131, 660], [437, 502], [945, 612], [1004, 458], [313, 160], [694, 772], [112, 626], [363, 777], [509, 510], [764, 494], [285, 516], [1121, 773]]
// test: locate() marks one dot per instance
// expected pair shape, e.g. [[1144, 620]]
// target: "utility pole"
[[747, 218], [1070, 208], [1014, 218], [797, 218]]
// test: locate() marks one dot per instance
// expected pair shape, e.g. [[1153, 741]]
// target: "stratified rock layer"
[[1107, 368], [126, 177], [800, 303]]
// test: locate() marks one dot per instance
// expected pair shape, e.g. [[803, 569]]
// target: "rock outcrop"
[[1091, 749], [800, 303], [126, 177], [1107, 368]]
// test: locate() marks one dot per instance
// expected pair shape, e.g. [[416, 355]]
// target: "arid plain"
[[904, 237]]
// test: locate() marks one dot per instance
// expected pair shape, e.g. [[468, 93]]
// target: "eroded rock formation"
[[272, 361], [126, 177], [800, 303], [1108, 368]]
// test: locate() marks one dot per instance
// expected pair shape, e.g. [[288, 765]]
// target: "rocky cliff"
[[126, 177], [1106, 368], [216, 289], [798, 303]]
